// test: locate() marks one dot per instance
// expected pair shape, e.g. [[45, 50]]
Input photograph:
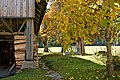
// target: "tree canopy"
[[74, 19]]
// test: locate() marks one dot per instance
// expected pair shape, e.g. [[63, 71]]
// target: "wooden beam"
[[5, 33], [29, 39], [14, 33], [22, 25], [4, 22], [18, 33]]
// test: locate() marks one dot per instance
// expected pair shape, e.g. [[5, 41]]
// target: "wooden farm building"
[[19, 25]]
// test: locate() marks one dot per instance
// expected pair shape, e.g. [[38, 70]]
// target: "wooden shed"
[[17, 32]]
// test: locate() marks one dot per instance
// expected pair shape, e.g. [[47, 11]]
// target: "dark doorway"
[[6, 53], [7, 58]]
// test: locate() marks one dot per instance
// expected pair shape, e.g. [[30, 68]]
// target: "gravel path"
[[51, 73]]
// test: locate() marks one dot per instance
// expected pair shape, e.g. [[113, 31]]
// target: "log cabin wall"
[[17, 18], [17, 8]]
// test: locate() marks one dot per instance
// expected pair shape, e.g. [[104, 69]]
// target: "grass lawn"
[[72, 68], [29, 74]]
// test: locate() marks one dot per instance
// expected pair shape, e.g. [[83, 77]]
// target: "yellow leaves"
[[84, 37], [81, 18], [113, 16], [117, 5], [38, 1], [71, 78], [104, 23], [111, 40], [118, 26], [117, 1], [92, 32]]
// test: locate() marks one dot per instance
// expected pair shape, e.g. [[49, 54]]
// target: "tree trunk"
[[109, 63], [78, 45], [62, 50], [82, 47], [45, 46]]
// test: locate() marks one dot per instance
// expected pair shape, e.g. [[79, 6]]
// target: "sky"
[[49, 3]]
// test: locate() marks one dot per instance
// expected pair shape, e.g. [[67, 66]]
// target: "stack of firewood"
[[20, 46]]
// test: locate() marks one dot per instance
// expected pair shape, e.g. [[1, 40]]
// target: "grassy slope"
[[76, 68]]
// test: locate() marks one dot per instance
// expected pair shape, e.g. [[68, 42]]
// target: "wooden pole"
[[29, 40]]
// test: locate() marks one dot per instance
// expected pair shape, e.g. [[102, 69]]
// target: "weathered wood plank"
[[8, 10], [0, 8], [29, 41], [31, 8], [5, 8], [11, 6], [21, 8], [27, 8], [17, 8], [24, 8]]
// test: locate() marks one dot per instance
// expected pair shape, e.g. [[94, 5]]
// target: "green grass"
[[29, 74], [71, 68], [77, 68]]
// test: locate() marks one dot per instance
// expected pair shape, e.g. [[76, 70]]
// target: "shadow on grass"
[[29, 74]]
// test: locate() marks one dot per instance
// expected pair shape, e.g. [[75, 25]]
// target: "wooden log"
[[20, 53], [20, 47], [18, 37], [19, 57], [36, 60], [20, 41]]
